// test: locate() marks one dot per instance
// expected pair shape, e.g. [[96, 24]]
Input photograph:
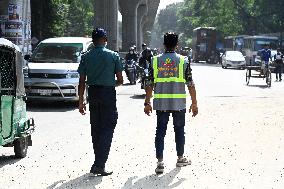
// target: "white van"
[[51, 71]]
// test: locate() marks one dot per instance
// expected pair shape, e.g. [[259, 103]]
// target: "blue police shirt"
[[100, 65]]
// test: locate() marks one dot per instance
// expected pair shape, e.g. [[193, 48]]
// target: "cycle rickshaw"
[[259, 71]]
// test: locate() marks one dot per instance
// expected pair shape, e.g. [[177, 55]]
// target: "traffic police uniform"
[[100, 65]]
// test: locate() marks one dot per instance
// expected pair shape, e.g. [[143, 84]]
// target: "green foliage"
[[55, 18], [232, 17], [167, 20]]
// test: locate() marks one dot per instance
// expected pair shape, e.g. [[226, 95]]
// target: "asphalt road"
[[235, 142]]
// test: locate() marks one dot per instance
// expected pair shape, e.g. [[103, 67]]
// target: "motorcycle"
[[143, 75], [131, 71]]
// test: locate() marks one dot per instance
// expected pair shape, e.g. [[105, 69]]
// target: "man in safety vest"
[[169, 75]]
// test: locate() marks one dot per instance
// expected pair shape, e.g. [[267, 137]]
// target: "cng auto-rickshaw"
[[15, 127]]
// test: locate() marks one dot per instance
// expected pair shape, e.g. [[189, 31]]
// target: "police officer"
[[99, 66], [170, 73]]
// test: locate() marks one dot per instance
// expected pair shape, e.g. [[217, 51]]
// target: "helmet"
[[144, 45]]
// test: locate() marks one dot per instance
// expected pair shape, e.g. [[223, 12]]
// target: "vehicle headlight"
[[72, 75]]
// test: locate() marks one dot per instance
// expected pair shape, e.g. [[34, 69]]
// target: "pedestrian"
[[98, 68], [278, 57], [169, 74]]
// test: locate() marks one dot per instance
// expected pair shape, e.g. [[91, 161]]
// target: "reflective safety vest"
[[169, 92]]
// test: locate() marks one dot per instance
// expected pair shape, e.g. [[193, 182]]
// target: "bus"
[[234, 43], [252, 45], [204, 44]]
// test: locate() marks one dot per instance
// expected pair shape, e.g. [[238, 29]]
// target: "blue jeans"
[[103, 119], [162, 122]]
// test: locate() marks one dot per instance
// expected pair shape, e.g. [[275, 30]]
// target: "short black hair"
[[170, 39]]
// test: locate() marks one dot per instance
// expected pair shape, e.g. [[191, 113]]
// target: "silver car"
[[233, 59], [51, 71]]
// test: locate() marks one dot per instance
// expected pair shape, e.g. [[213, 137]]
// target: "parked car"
[[51, 71], [233, 59]]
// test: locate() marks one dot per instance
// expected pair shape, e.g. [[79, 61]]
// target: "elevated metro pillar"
[[141, 13], [129, 22], [150, 19], [106, 16]]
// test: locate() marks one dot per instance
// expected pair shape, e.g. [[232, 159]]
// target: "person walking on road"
[[279, 64], [98, 68], [169, 75]]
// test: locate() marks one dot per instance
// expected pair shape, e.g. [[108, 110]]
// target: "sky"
[[163, 4]]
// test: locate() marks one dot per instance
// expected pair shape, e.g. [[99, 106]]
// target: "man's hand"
[[193, 109], [82, 108], [148, 110]]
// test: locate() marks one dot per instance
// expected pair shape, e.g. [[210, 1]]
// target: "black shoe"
[[97, 171]]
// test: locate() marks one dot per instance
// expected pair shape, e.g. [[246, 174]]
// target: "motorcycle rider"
[[279, 64], [146, 56], [131, 55]]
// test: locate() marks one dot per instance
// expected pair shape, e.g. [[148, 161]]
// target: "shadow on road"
[[259, 86], [85, 181], [154, 181], [51, 106], [8, 160], [142, 96]]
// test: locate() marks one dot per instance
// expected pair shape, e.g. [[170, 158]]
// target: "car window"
[[57, 53]]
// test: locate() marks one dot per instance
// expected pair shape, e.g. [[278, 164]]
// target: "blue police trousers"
[[162, 122], [103, 119]]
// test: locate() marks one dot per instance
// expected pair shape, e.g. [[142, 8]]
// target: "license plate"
[[44, 92]]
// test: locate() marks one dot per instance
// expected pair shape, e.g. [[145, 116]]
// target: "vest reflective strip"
[[180, 78], [169, 95]]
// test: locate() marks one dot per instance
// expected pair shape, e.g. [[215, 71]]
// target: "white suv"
[[51, 71]]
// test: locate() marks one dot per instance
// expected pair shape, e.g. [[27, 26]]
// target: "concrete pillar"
[[141, 13], [129, 22], [151, 16], [106, 16]]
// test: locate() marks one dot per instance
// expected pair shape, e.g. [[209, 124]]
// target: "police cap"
[[99, 33]]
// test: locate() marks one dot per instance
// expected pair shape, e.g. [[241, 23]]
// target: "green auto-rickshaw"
[[15, 127]]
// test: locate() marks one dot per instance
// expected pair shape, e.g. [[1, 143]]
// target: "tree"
[[233, 17], [56, 18], [167, 20]]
